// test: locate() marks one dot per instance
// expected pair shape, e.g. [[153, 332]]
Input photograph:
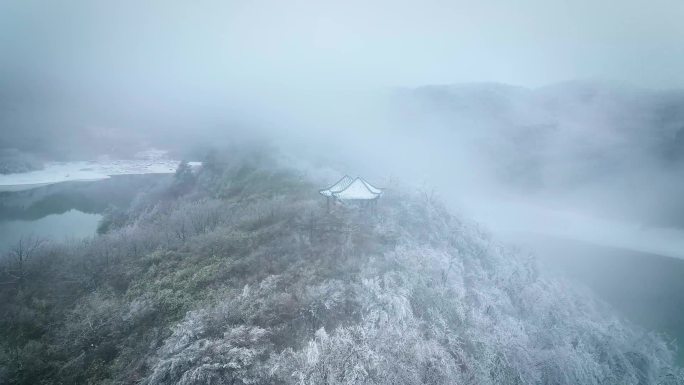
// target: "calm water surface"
[[71, 224], [66, 210]]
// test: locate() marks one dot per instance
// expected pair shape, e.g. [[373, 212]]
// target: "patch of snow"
[[56, 172]]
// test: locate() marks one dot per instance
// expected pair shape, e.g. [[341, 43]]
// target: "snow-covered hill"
[[246, 278]]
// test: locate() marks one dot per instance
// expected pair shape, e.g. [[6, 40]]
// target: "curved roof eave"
[[340, 185], [357, 190]]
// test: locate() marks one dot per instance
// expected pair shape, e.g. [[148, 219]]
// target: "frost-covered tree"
[[193, 356], [246, 278]]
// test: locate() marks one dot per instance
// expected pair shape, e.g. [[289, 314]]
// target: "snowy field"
[[57, 172]]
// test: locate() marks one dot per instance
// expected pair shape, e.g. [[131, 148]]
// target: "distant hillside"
[[15, 161], [609, 124], [239, 275], [581, 141]]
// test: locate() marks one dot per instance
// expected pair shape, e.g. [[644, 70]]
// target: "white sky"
[[244, 44]]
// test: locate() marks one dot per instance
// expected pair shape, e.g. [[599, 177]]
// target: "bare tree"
[[20, 255]]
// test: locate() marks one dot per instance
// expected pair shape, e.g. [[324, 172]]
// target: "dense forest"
[[238, 274]]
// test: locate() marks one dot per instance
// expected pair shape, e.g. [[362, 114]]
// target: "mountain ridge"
[[240, 275]]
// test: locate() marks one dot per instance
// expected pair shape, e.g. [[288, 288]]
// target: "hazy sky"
[[166, 46], [128, 66]]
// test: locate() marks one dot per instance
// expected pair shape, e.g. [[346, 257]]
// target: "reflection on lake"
[[71, 224], [66, 210]]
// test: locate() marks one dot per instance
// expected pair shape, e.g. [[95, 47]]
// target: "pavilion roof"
[[372, 188], [338, 186], [358, 189]]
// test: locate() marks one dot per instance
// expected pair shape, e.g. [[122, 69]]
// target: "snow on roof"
[[337, 186], [372, 188], [358, 189]]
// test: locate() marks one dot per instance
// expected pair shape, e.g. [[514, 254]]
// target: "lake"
[[647, 289], [68, 225], [66, 210]]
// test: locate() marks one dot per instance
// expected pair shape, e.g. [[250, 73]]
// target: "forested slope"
[[239, 275]]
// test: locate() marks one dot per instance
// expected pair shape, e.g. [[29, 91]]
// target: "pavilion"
[[348, 189]]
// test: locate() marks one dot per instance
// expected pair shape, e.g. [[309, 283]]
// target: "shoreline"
[[85, 171], [29, 186]]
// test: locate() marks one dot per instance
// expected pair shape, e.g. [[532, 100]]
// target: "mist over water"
[[356, 88], [557, 126], [344, 85]]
